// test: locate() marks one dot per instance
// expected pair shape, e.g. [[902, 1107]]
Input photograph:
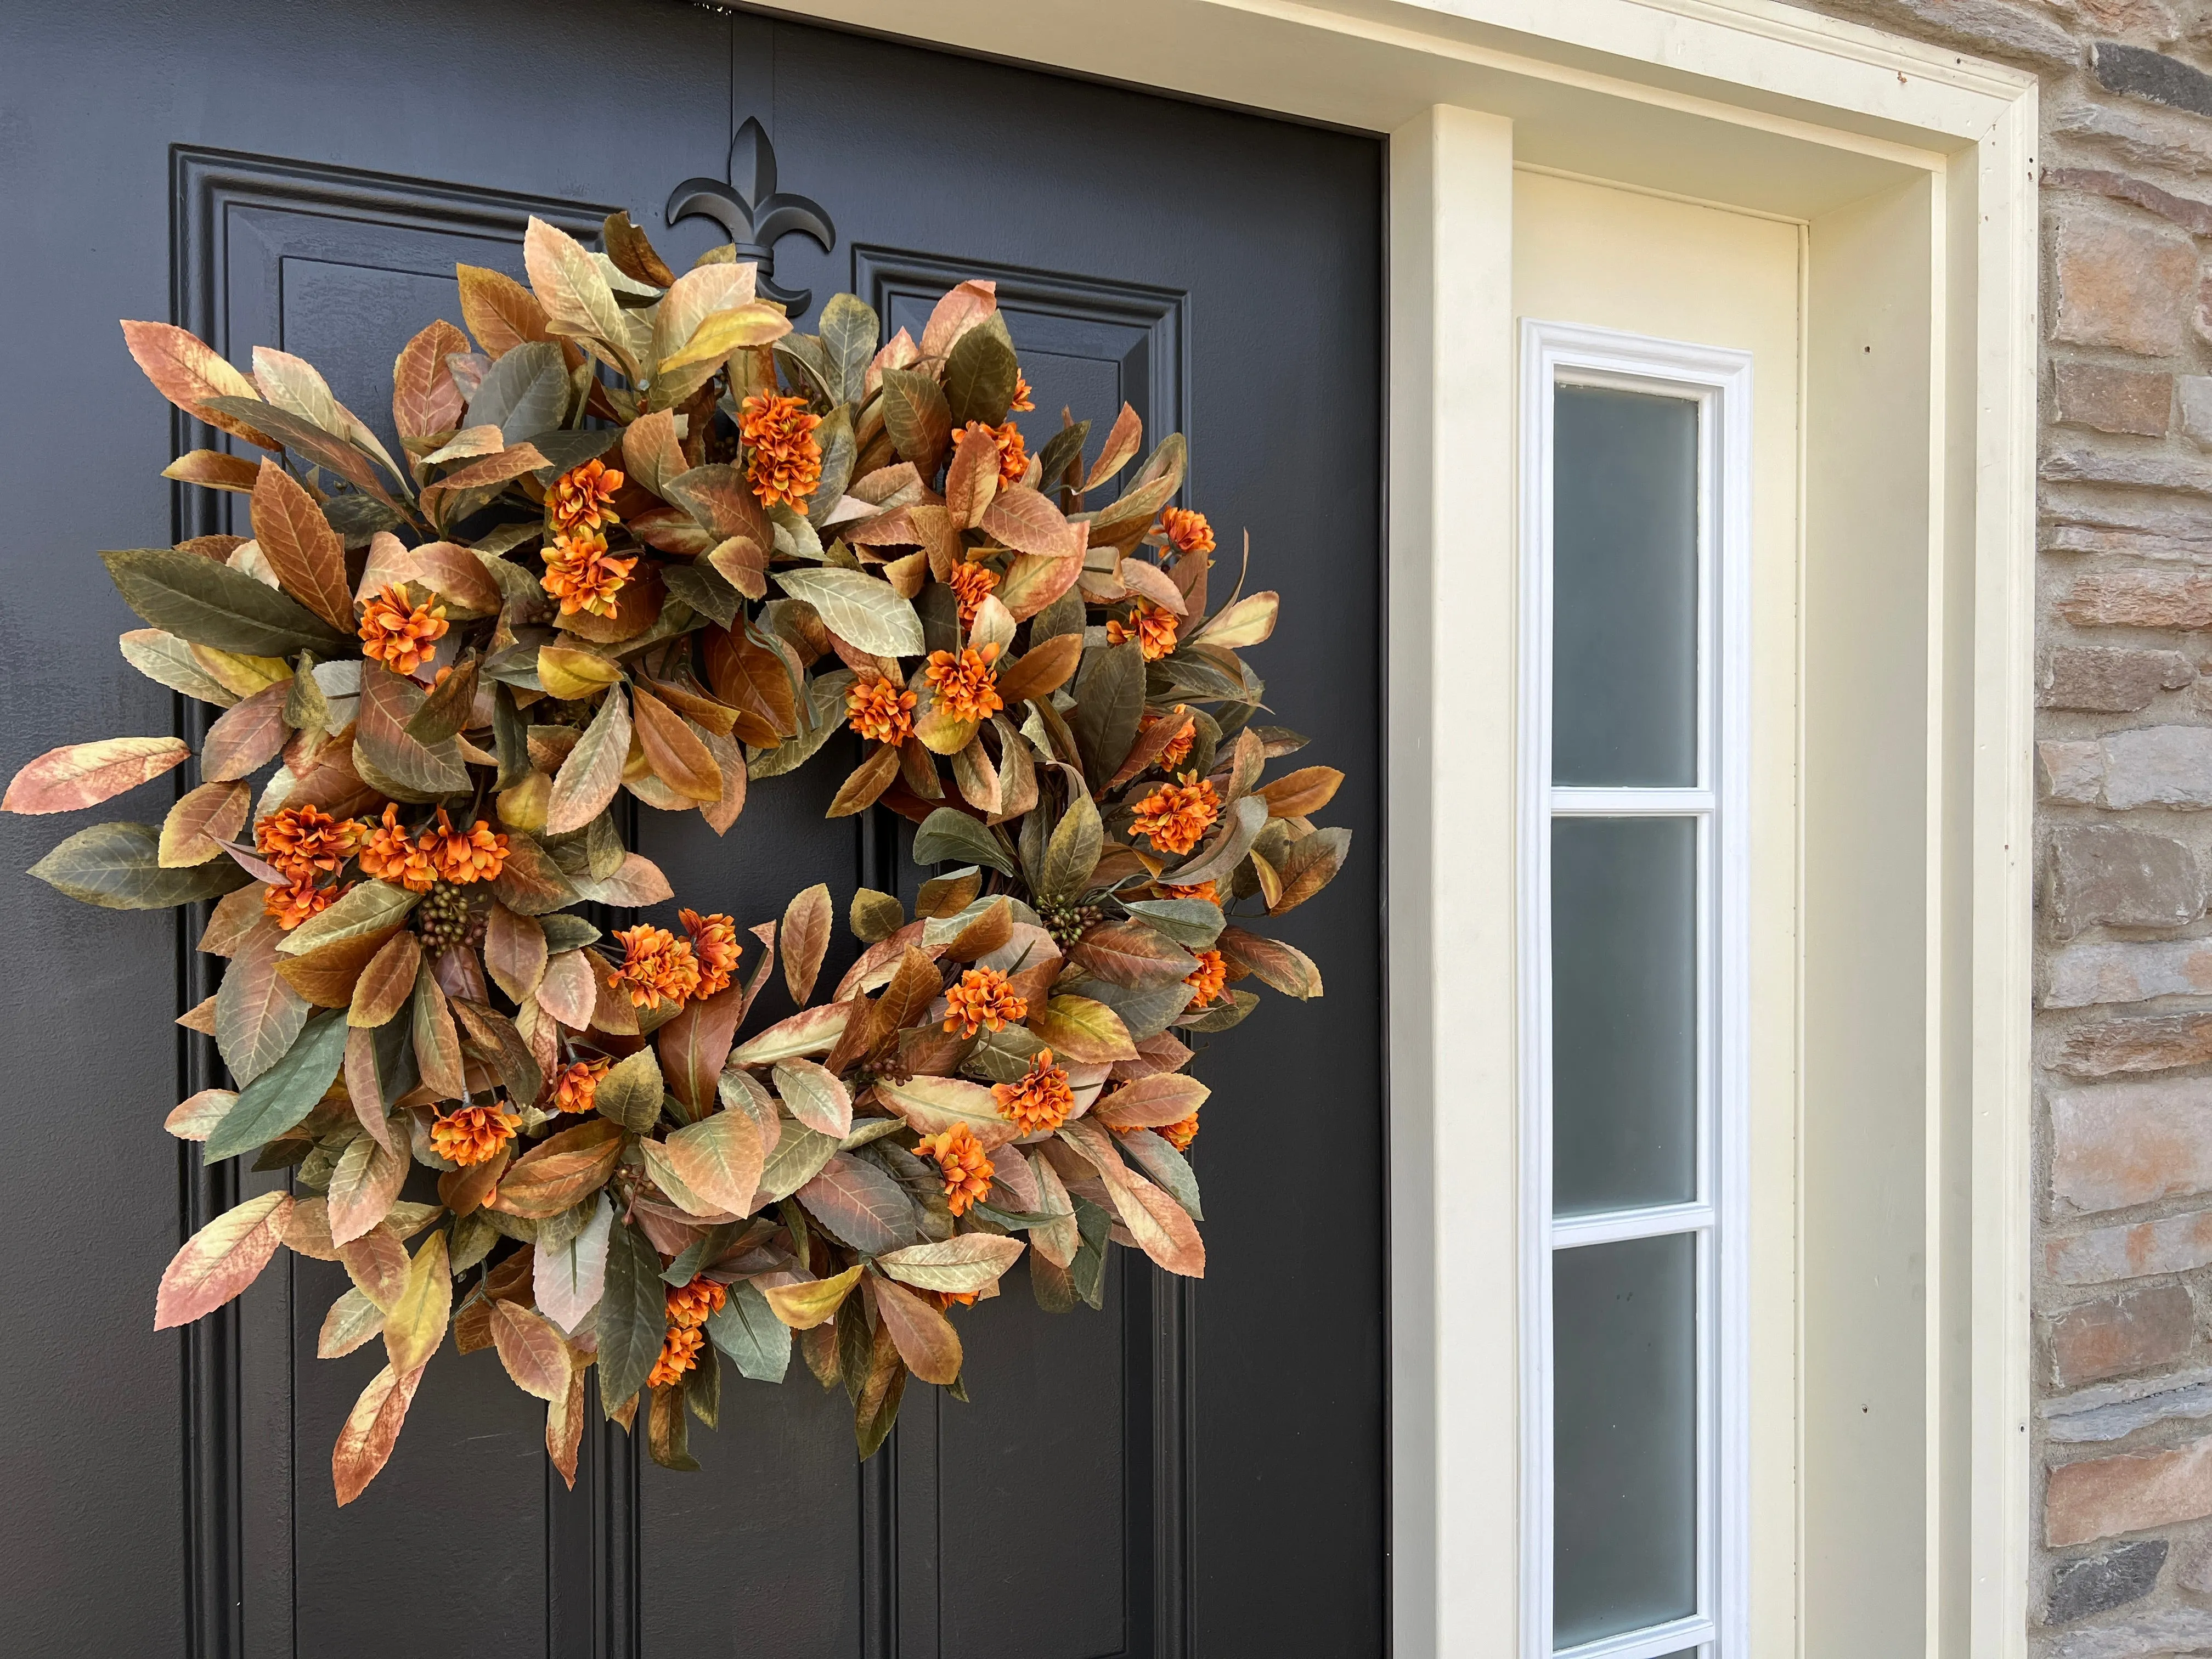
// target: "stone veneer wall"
[[2122, 1353]]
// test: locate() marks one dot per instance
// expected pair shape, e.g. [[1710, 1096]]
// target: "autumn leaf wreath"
[[642, 537]]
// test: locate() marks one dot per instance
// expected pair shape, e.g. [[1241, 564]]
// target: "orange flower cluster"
[[474, 1134], [461, 856], [1208, 979], [693, 1304], [1178, 748], [1152, 627], [714, 942], [877, 709], [786, 456], [391, 854], [967, 685], [398, 633], [576, 1085], [1188, 532], [984, 997], [1040, 1101], [1210, 892], [657, 966], [970, 581], [579, 574], [1179, 1135], [1023, 401], [582, 498], [1013, 453], [963, 1163], [292, 904], [1177, 816], [302, 840], [679, 1353]]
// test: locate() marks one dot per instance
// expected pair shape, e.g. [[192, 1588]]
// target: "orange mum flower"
[[1152, 627], [787, 459], [963, 1163], [579, 574], [657, 966], [968, 685], [292, 905], [1177, 816], [1013, 453], [983, 997], [1022, 402], [581, 498], [1041, 1100], [390, 853], [692, 1305], [576, 1085], [1207, 979], [971, 581], [880, 708], [714, 942], [402, 636], [1180, 1135], [462, 856], [473, 1134], [1206, 889], [1178, 748], [679, 1353], [301, 840], [1189, 531]]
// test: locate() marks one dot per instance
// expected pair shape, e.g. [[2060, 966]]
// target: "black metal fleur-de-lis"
[[755, 212]]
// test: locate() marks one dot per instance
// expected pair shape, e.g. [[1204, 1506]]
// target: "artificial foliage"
[[643, 538]]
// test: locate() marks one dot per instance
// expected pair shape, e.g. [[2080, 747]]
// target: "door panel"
[[1142, 1480]]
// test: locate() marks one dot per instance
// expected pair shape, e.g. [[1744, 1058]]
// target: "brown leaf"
[[86, 774], [1121, 444], [424, 398], [567, 991], [514, 952], [806, 924], [388, 981], [535, 1354], [993, 928], [1041, 671], [437, 1044], [257, 1013], [221, 1260], [753, 680], [213, 812], [972, 480], [588, 779], [499, 312], [674, 751], [961, 308], [247, 738], [191, 374], [694, 1044], [913, 988], [1298, 794], [1151, 741], [866, 784], [306, 553], [1152, 1102], [364, 1186], [327, 974], [924, 1337], [214, 470], [377, 1263], [564, 1427], [560, 1170], [721, 814], [464, 1191], [365, 1088], [719, 1158], [1128, 953], [371, 1428], [1027, 522], [1281, 967]]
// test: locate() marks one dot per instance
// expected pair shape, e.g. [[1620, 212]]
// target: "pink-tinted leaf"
[[86, 774], [221, 1260], [371, 1429]]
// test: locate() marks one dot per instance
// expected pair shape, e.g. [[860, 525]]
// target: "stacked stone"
[[2124, 1026]]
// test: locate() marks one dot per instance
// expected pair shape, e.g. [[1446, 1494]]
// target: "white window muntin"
[[1719, 381]]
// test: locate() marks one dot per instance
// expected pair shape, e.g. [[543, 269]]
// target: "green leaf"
[[964, 1264], [1169, 1169], [1088, 1270], [633, 1315], [798, 1157], [282, 1096], [1109, 704], [372, 906], [196, 598], [1246, 820], [863, 610], [980, 373], [387, 756], [1191, 923], [825, 701], [1073, 853], [588, 779], [704, 588], [849, 333], [630, 1093], [746, 1328], [117, 866], [916, 416], [1221, 1016], [949, 835]]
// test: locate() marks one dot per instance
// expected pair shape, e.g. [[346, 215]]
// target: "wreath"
[[644, 537]]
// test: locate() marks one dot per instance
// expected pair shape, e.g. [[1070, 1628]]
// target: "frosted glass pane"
[[1624, 1012], [1624, 589], [1624, 1451]]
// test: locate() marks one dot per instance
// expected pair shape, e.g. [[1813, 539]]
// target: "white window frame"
[[1719, 381]]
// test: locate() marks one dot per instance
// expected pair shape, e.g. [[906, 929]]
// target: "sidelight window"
[[1635, 497]]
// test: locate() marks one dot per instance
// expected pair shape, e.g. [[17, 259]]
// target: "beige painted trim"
[[1766, 108]]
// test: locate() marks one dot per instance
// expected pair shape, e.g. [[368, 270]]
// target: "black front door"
[[1198, 1469]]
